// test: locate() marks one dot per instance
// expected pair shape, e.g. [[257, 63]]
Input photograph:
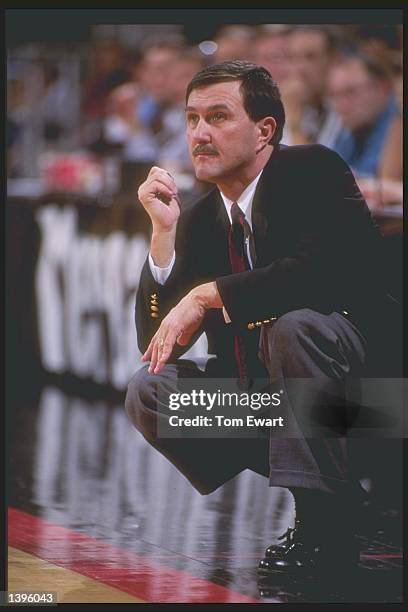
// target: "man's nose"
[[202, 132]]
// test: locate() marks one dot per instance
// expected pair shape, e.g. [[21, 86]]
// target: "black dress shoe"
[[306, 552], [278, 549]]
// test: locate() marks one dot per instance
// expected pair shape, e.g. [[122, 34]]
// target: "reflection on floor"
[[130, 521]]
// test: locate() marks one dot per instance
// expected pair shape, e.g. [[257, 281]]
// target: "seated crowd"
[[341, 87]]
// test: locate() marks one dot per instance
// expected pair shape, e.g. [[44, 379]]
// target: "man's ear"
[[267, 128]]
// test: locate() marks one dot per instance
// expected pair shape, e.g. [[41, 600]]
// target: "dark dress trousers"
[[315, 306]]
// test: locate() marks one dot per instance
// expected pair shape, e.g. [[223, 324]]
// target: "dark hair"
[[261, 96]]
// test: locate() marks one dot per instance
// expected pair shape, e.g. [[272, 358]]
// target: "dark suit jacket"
[[316, 247]]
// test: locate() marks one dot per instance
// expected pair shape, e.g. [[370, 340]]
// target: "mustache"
[[205, 149]]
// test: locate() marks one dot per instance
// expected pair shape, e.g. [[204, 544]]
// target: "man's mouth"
[[207, 153]]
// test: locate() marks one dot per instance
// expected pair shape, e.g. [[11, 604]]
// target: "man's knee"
[[139, 388]]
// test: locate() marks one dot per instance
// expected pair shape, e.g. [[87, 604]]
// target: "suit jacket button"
[[251, 325], [154, 308], [266, 321], [153, 295], [345, 312], [154, 315], [154, 302], [273, 318], [258, 323]]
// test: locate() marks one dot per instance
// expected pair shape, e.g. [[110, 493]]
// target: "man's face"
[[155, 71], [181, 72], [231, 47], [222, 139], [356, 97], [310, 60], [273, 54]]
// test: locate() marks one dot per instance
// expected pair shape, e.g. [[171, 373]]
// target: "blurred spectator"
[[153, 74], [361, 93], [270, 49], [380, 42], [135, 111], [185, 65], [107, 72], [133, 108], [233, 42], [309, 117], [392, 164], [122, 128], [173, 150], [56, 106], [160, 137], [391, 167]]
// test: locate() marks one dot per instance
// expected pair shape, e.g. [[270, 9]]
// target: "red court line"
[[117, 567]]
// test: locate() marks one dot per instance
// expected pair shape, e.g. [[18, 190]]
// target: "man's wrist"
[[159, 232], [207, 295], [162, 247]]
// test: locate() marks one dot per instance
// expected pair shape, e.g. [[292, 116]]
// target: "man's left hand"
[[180, 324]]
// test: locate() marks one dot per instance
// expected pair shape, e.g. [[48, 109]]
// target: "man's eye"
[[192, 119], [217, 117]]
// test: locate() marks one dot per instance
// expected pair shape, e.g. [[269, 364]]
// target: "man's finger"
[[157, 187], [154, 357], [162, 179], [165, 350], [153, 349]]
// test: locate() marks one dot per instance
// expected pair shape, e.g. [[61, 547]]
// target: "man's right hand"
[[164, 214]]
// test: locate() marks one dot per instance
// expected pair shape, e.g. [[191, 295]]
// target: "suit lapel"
[[260, 228], [265, 201], [219, 247]]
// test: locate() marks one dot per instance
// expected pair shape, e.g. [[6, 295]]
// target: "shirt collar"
[[244, 201]]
